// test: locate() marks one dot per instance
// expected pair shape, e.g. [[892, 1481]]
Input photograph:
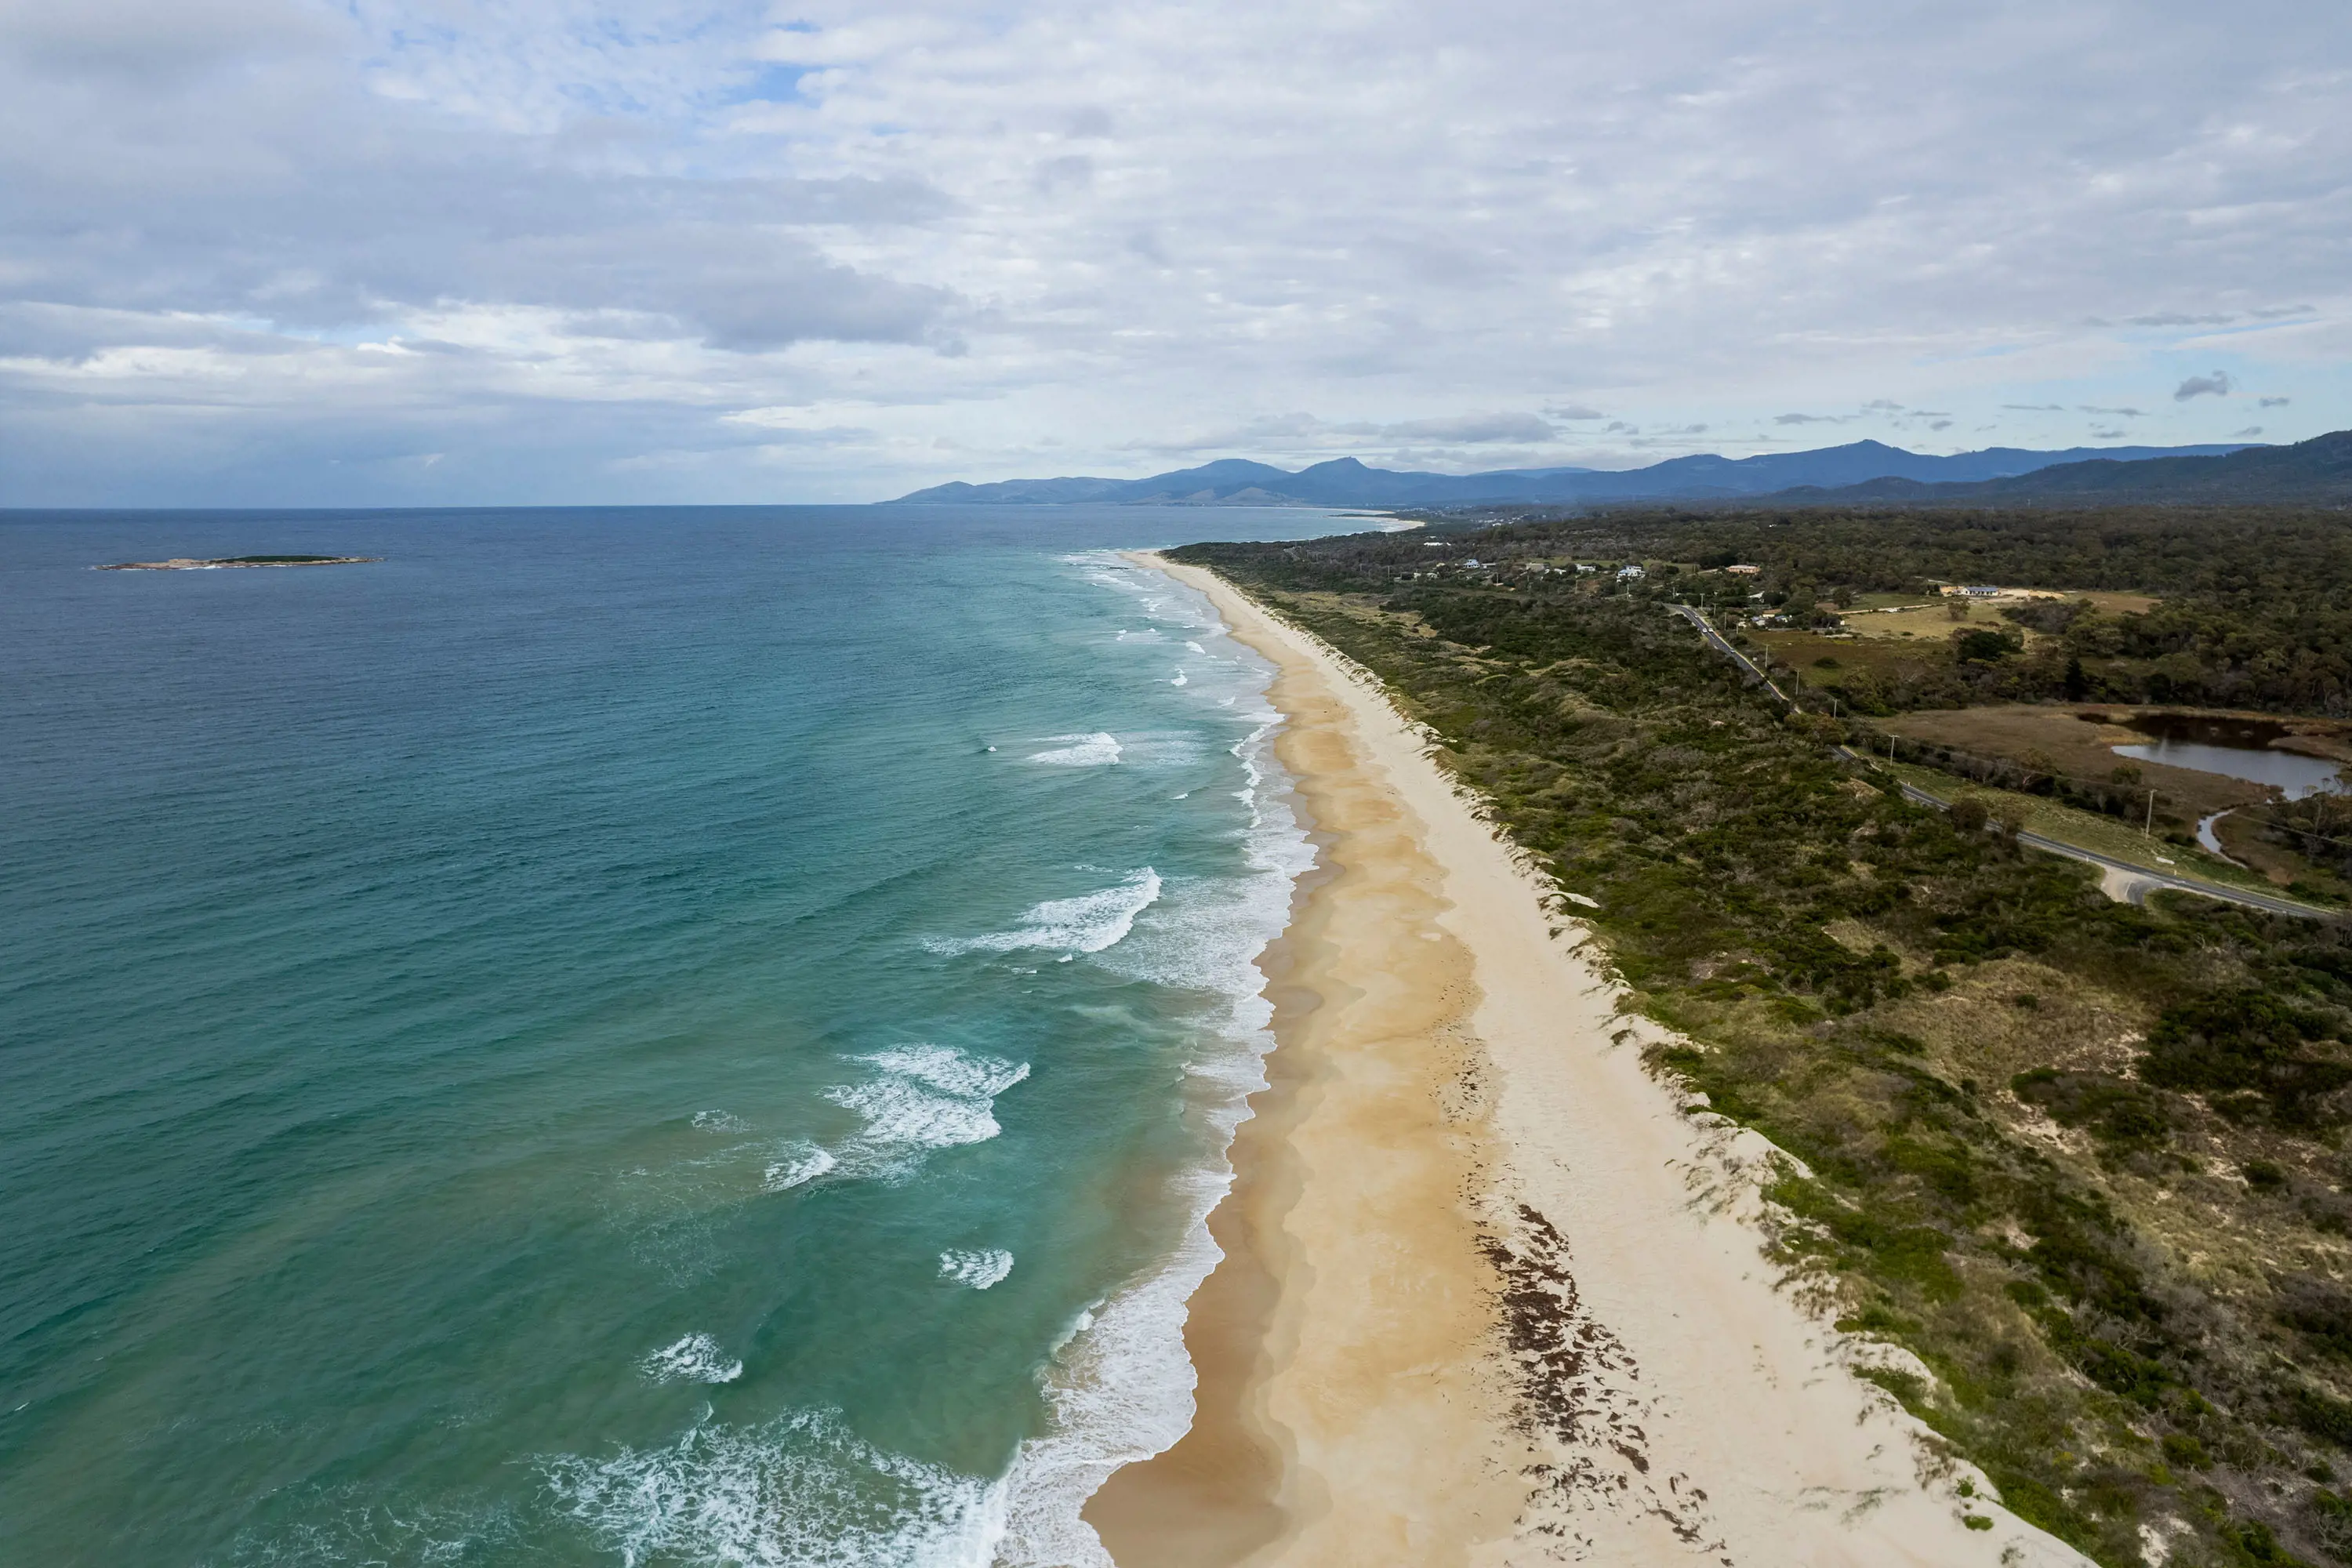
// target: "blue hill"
[[1345, 481]]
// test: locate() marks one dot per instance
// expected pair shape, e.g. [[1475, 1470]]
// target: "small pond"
[[2236, 748]]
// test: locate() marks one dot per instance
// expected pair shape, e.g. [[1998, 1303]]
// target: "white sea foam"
[[977, 1269], [696, 1358], [1090, 922], [899, 1115], [1120, 1387], [719, 1121], [1098, 750], [925, 1097], [1179, 680], [799, 1491], [951, 1071], [797, 1162]]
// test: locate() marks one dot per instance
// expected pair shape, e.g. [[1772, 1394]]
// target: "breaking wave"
[[799, 1491], [977, 1269], [1088, 923], [800, 1161], [1095, 750], [696, 1358]]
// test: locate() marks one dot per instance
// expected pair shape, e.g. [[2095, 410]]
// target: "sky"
[[408, 252]]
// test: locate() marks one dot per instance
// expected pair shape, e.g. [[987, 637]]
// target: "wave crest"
[[696, 1358], [1087, 923], [978, 1269], [796, 1492], [1098, 750]]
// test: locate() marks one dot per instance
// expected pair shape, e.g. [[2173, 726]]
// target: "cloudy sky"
[[407, 251]]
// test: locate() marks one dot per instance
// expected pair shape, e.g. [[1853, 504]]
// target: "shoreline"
[[1488, 1294]]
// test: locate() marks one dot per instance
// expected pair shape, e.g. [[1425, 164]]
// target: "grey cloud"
[[1473, 427], [1072, 172], [591, 206], [1941, 425], [2247, 434], [2276, 402], [2037, 407], [1305, 432], [2217, 385], [287, 202], [1472, 459], [1811, 418], [2117, 413], [2173, 319], [728, 260], [146, 42]]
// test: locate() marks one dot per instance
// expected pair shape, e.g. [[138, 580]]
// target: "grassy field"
[[1930, 623]]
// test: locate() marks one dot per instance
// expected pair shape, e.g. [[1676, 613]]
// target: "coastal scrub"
[[2079, 1158]]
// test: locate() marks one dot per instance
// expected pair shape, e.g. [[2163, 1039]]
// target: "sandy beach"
[[1489, 1294]]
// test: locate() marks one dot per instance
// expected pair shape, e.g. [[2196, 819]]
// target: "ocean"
[[626, 1037]]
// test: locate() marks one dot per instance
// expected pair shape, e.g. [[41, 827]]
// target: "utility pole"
[[2151, 813]]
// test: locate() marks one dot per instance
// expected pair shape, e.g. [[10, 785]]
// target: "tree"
[[1981, 646]]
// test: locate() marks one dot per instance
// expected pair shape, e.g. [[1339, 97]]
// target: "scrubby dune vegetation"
[[2082, 1160]]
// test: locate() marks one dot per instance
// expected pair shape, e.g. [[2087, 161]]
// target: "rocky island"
[[190, 564]]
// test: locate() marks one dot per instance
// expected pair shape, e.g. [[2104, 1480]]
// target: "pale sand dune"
[[1459, 1146]]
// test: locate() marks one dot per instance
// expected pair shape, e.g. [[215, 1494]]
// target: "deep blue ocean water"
[[636, 1036]]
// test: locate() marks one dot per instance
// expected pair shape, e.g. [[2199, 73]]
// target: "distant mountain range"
[[2314, 470], [1344, 481]]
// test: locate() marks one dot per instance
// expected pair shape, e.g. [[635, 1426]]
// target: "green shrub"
[[2117, 1112]]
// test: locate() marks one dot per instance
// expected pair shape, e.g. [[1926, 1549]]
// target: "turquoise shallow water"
[[613, 1037]]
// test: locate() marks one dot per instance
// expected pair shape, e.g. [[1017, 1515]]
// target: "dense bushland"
[[2253, 612]]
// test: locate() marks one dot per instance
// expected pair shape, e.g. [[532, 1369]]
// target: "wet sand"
[[1489, 1296]]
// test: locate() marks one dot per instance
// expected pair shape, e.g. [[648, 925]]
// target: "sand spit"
[[1490, 1295]]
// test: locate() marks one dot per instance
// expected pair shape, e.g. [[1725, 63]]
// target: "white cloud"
[[922, 240]]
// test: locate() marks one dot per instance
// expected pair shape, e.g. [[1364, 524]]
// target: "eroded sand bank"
[[1489, 1296]]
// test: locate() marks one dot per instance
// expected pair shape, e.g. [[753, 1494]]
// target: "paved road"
[[2142, 880], [1724, 648], [2138, 881]]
